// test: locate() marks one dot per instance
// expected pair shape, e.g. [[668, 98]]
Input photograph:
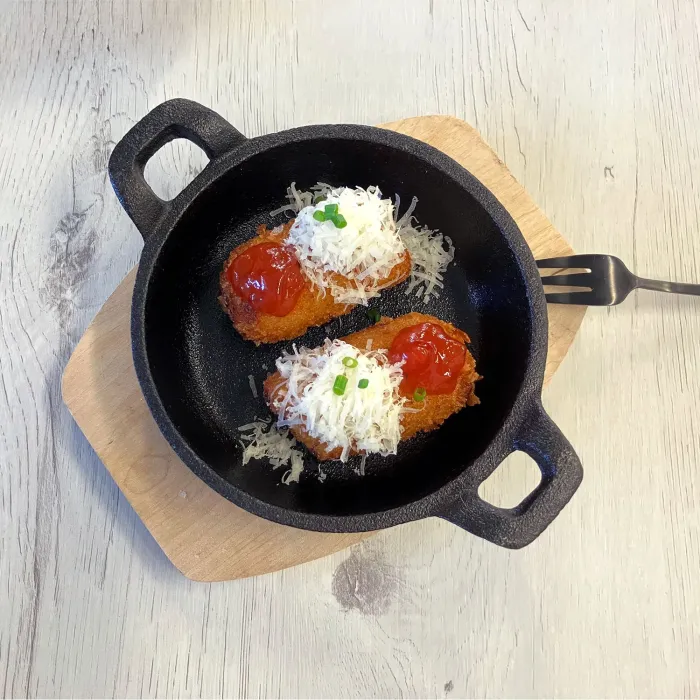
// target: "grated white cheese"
[[363, 420], [429, 259], [363, 252], [297, 468], [362, 465], [261, 440], [431, 252], [253, 388], [297, 200]]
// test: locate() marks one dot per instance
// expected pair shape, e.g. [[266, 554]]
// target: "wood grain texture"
[[205, 536], [593, 106]]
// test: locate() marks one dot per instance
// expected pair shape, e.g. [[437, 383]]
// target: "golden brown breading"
[[311, 309], [434, 410]]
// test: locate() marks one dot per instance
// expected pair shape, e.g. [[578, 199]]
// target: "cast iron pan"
[[193, 367]]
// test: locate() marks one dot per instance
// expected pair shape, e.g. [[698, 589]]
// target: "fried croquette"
[[429, 414], [312, 308]]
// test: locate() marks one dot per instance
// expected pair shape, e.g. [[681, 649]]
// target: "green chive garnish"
[[319, 215], [363, 383], [350, 362], [331, 210], [419, 394], [341, 381], [339, 221], [374, 315]]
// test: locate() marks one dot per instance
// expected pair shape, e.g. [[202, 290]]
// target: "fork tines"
[[576, 279]]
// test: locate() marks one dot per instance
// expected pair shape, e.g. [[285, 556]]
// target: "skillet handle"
[[561, 469], [170, 120]]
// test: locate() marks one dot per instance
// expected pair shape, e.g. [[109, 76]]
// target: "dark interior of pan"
[[203, 366]]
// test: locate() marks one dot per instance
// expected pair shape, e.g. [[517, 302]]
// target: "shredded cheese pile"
[[260, 440], [429, 259], [298, 199], [363, 252], [431, 252], [364, 420]]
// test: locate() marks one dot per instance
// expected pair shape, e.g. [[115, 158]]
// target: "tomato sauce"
[[432, 359], [268, 276]]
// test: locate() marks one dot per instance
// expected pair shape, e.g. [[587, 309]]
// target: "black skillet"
[[194, 368]]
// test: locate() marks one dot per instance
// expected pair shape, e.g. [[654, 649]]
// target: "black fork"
[[608, 281]]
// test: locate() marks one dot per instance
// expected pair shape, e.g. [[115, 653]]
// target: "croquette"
[[432, 411], [313, 308]]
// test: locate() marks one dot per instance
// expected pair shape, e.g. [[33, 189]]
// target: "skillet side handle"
[[517, 527], [170, 120]]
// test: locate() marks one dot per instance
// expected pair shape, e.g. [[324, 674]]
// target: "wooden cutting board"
[[205, 536]]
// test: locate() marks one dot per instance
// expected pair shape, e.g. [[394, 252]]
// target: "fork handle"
[[672, 287]]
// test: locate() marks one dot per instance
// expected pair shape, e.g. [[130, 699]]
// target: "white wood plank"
[[594, 107]]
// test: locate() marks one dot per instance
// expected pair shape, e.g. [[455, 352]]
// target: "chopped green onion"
[[341, 381], [339, 221], [350, 362], [318, 198], [374, 315], [363, 383], [419, 394], [319, 215], [331, 210]]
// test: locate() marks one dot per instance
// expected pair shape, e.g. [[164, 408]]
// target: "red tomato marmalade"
[[432, 359], [268, 277]]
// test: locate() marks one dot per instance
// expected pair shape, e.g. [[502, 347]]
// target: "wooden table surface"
[[595, 108]]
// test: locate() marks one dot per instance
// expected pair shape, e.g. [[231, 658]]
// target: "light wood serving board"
[[205, 536]]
